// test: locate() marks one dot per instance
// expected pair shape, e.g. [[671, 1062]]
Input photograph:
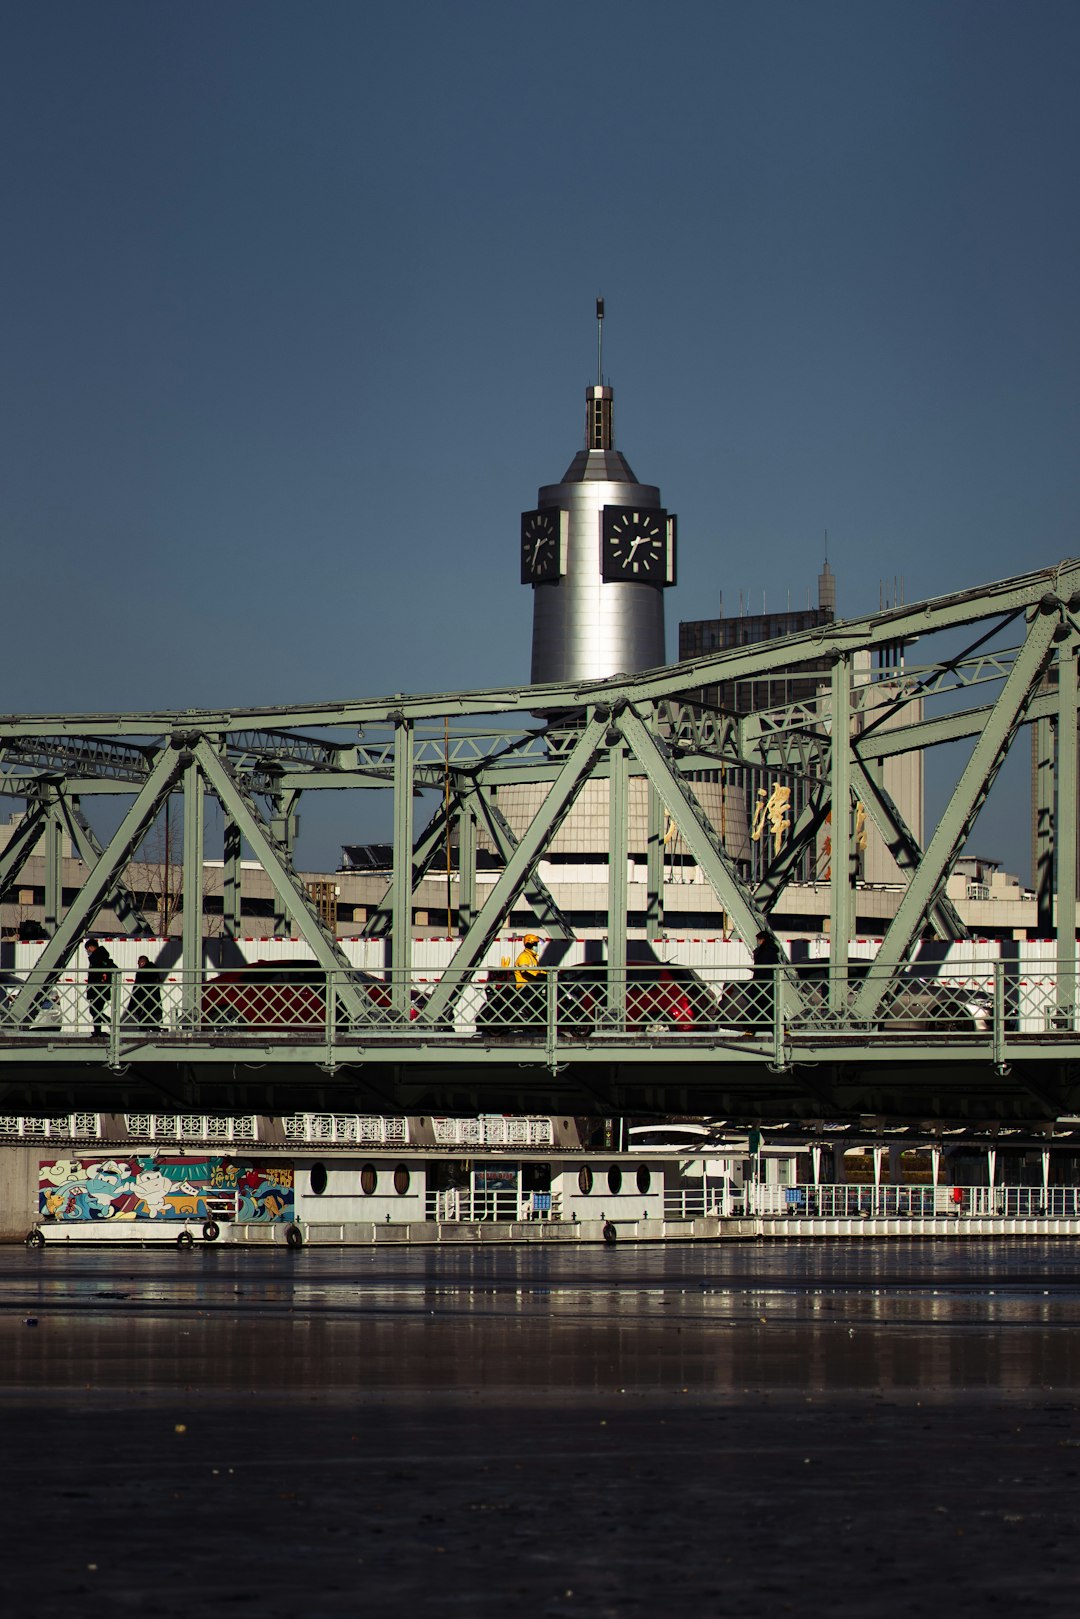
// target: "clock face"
[[543, 546], [636, 545]]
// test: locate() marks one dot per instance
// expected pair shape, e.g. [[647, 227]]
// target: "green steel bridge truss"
[[993, 661]]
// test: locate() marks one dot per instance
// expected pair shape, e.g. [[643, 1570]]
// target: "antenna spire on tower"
[[599, 433]]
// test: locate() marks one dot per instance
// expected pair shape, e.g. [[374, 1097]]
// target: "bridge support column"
[[1065, 833], [1042, 831], [466, 866], [54, 865], [401, 920], [193, 888], [283, 825], [841, 891], [618, 856]]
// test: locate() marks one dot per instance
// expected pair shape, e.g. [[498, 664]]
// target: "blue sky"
[[298, 314]]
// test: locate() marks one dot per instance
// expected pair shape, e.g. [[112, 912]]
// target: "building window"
[[401, 1180], [317, 1179], [369, 1179], [584, 1180], [614, 1180], [644, 1179]]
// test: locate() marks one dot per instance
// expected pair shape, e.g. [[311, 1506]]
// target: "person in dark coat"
[[144, 1007], [100, 968], [767, 957]]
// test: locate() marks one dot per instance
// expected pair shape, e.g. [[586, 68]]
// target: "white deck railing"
[[831, 1201], [459, 1204]]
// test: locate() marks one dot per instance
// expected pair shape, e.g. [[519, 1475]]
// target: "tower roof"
[[600, 466]]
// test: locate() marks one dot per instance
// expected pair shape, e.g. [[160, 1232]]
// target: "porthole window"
[[369, 1179], [644, 1179], [584, 1180], [614, 1180], [317, 1179], [401, 1180]]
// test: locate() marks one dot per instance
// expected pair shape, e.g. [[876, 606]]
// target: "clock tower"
[[598, 551]]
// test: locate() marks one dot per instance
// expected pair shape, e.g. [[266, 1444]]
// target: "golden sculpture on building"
[[772, 808]]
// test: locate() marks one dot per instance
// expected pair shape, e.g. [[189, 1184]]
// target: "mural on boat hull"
[[179, 1187]]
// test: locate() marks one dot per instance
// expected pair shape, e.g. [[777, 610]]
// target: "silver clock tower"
[[598, 550]]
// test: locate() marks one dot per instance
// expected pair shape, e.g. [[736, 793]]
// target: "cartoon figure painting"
[[176, 1188]]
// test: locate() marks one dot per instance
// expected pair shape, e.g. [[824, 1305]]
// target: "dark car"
[[914, 1001], [287, 994], [657, 993]]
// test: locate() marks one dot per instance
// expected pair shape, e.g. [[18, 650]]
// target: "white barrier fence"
[[855, 1202]]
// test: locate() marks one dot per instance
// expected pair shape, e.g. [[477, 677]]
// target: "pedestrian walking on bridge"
[[100, 968]]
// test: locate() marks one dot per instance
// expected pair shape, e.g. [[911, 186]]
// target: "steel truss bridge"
[[1004, 659]]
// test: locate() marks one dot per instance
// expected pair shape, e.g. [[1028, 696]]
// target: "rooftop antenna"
[[599, 342]]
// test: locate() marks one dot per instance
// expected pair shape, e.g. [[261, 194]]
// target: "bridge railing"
[[987, 1003]]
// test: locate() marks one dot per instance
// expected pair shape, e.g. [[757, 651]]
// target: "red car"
[[656, 993], [286, 994]]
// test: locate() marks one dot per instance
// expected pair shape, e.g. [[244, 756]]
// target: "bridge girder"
[[654, 726]]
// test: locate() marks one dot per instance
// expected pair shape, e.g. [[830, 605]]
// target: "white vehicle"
[[46, 1013]]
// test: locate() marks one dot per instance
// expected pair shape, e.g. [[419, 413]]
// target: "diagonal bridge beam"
[[104, 875], [521, 865], [929, 879], [655, 759], [274, 858]]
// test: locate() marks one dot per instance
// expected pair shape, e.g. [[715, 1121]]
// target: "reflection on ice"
[[718, 1320]]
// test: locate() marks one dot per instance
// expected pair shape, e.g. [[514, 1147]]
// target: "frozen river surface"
[[868, 1428]]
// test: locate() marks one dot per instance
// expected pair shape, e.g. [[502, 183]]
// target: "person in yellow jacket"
[[527, 966], [529, 982]]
